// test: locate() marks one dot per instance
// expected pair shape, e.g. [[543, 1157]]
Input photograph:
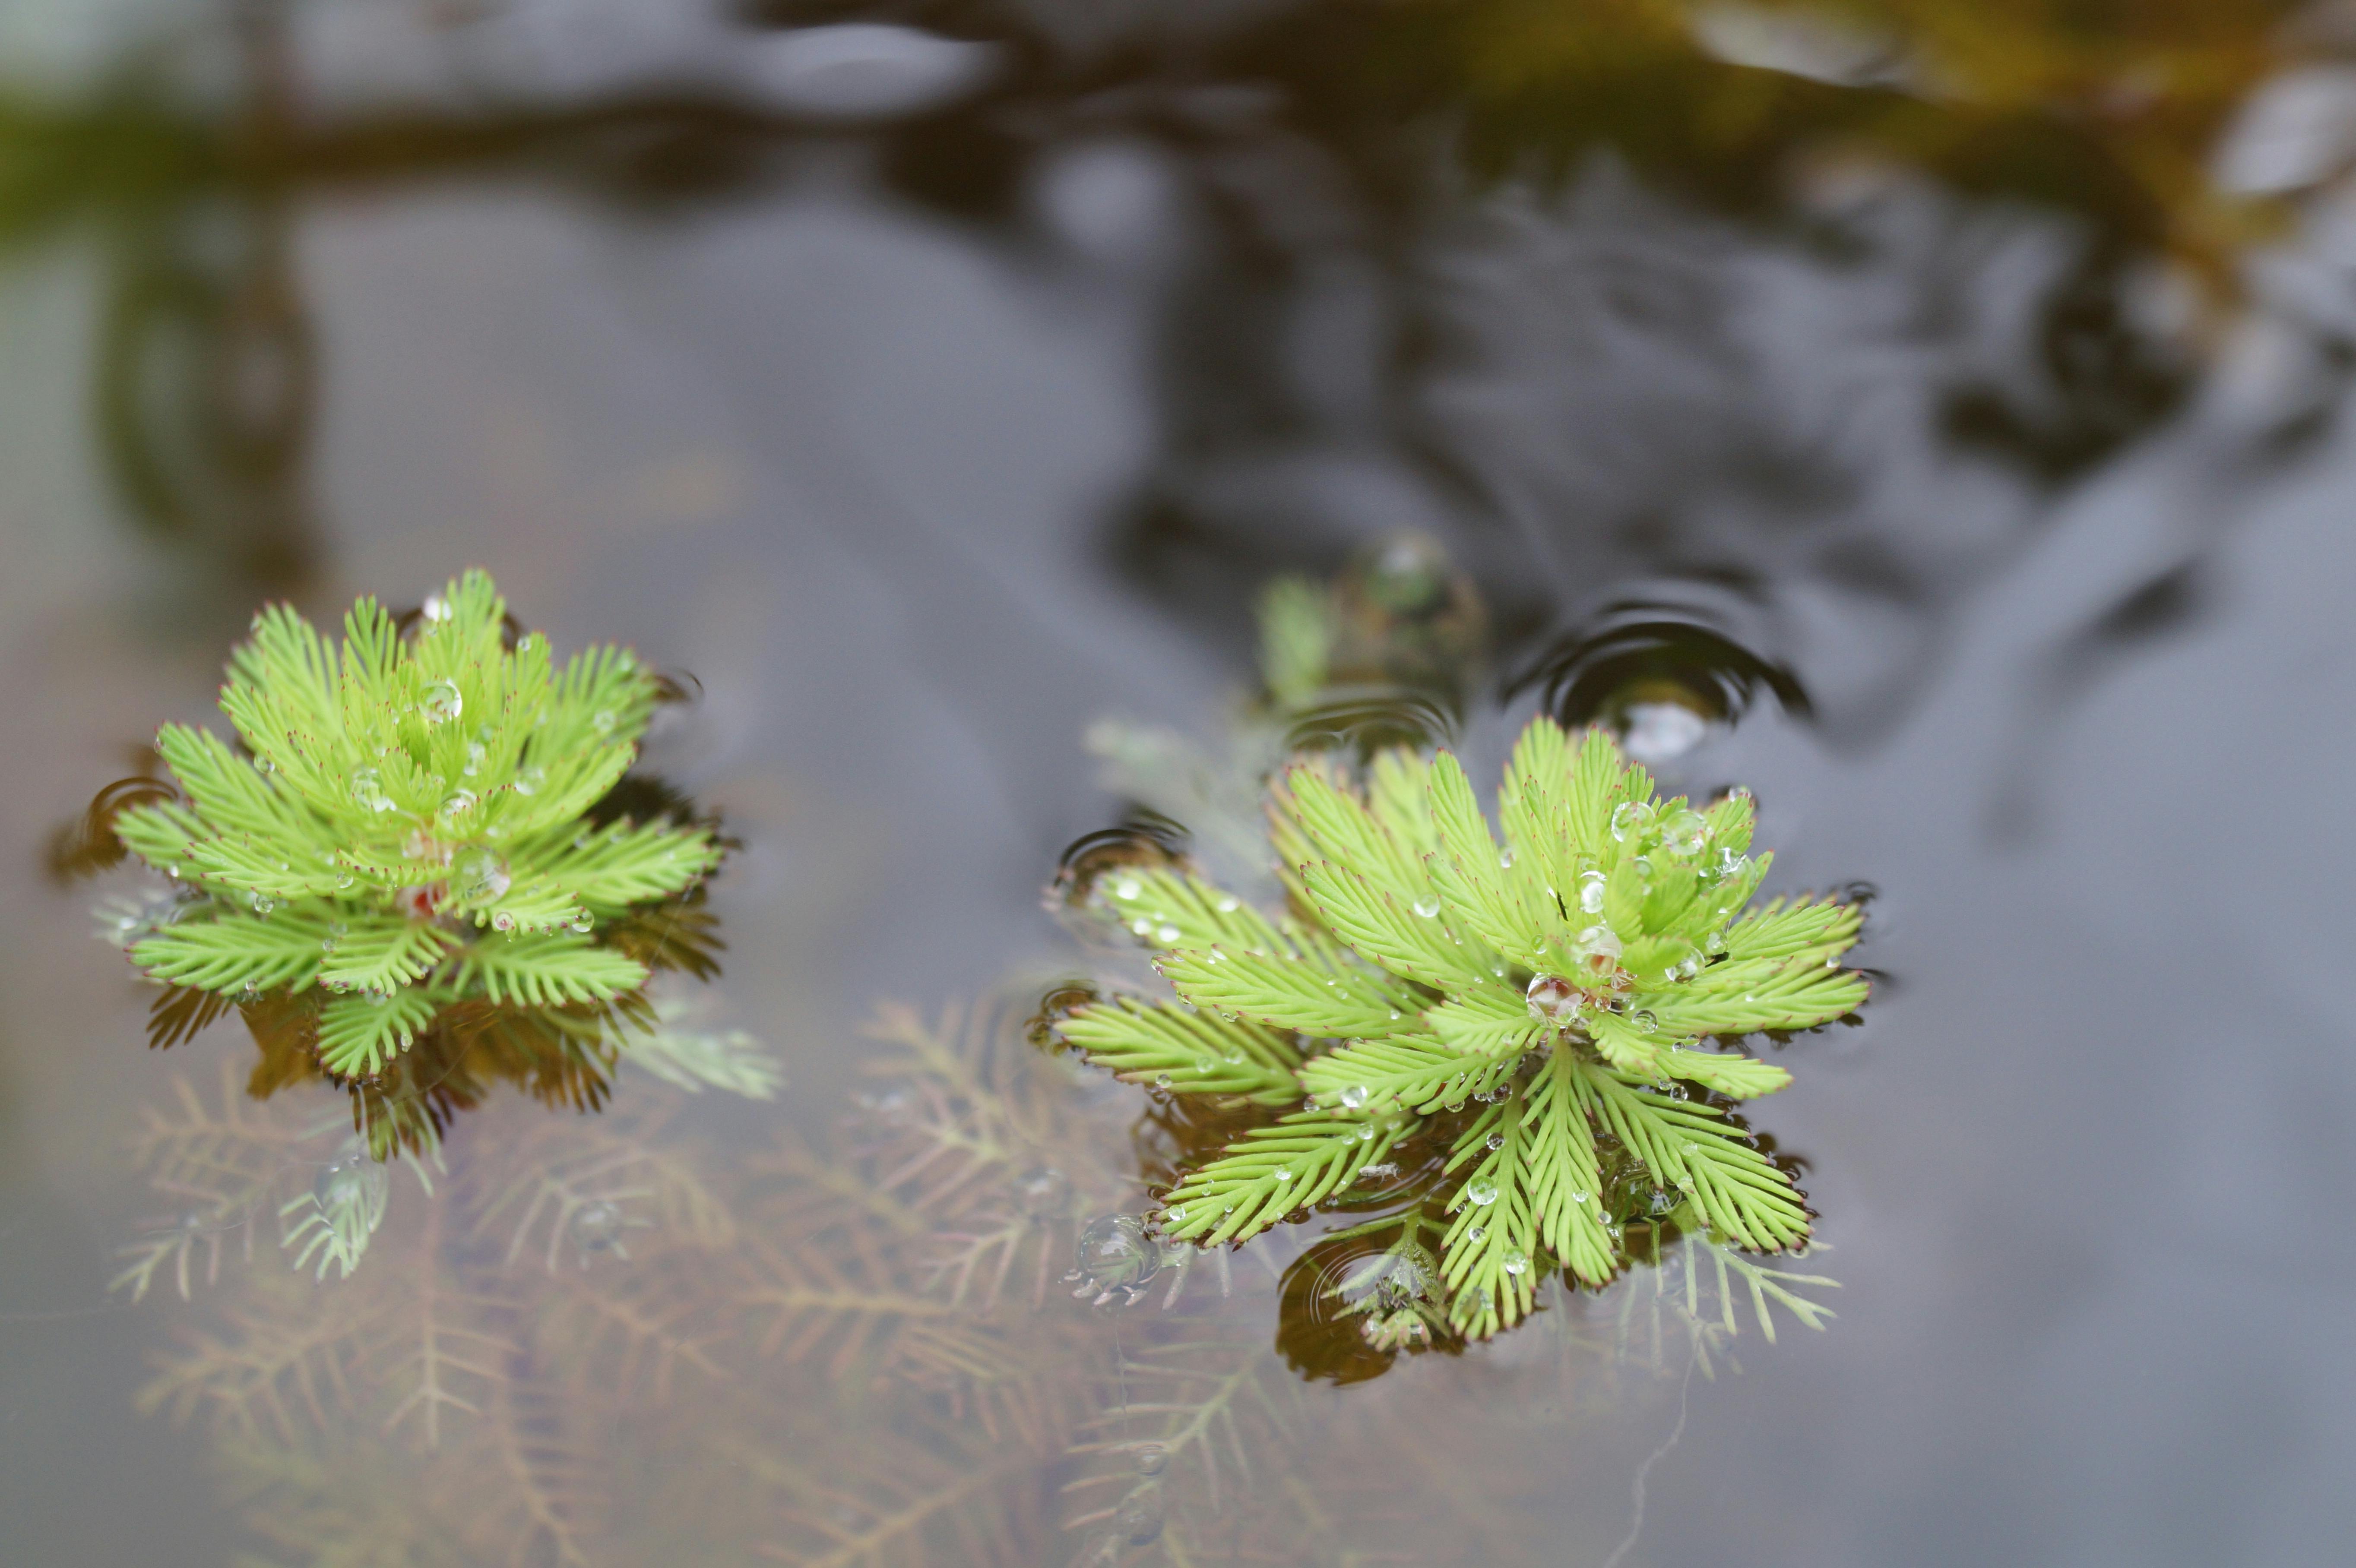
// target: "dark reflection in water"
[[1957, 383]]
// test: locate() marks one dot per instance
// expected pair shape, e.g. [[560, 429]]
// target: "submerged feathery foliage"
[[411, 831], [1561, 984]]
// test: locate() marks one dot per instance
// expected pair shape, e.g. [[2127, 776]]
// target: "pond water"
[[1962, 397]]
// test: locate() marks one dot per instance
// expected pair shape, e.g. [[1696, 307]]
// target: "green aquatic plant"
[[1544, 1002], [410, 827], [422, 867]]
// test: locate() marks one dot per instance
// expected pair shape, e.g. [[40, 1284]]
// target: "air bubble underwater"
[[596, 1227], [1116, 1257]]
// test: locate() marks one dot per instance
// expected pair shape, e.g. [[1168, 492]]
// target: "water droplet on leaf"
[[440, 702]]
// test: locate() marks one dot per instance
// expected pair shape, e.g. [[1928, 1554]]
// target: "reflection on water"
[[1750, 359]]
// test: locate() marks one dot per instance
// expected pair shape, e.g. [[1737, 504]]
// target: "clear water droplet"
[[1628, 820], [482, 877], [1496, 1140], [1475, 1233], [1127, 888], [457, 803], [1591, 892], [1167, 933], [1428, 906], [367, 789], [1353, 1096], [1229, 906], [440, 702], [1581, 1197], [1684, 833], [1597, 950], [1482, 1193], [528, 781], [503, 921], [1553, 1000], [1505, 858], [1517, 1263], [1118, 1251], [602, 721]]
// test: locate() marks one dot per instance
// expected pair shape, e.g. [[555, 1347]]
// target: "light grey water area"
[[886, 479]]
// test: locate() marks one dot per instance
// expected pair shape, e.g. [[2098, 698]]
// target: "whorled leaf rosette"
[[1568, 975]]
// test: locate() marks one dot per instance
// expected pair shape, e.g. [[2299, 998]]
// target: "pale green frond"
[[1470, 872], [531, 904], [625, 865], [546, 970], [572, 778], [359, 1032], [288, 865], [381, 952], [1736, 1076], [1410, 1070], [1739, 998], [1187, 1052], [1269, 1172], [1399, 796], [1598, 783], [372, 656], [1731, 818], [161, 835], [602, 698], [1535, 823], [1562, 1173], [1781, 929], [1287, 993], [231, 798], [1628, 1047], [290, 661], [1485, 1021], [1339, 827], [234, 951], [1408, 939], [1170, 910], [1691, 1147], [1489, 1256]]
